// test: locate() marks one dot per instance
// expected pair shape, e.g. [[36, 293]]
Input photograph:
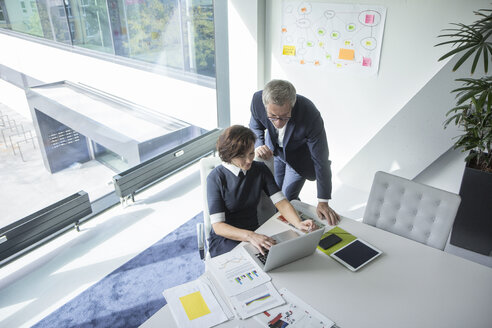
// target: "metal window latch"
[[3, 239]]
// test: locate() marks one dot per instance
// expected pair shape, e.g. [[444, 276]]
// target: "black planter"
[[472, 227]]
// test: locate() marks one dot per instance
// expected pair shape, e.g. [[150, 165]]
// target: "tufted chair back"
[[411, 209]]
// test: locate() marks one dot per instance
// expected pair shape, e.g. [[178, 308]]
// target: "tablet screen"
[[356, 254]]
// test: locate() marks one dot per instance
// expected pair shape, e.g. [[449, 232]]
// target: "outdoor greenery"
[[473, 111], [203, 23], [169, 33]]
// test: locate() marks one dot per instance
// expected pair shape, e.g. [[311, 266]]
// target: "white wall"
[[354, 108], [245, 58], [187, 101]]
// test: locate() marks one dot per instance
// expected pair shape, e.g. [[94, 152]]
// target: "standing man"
[[296, 138]]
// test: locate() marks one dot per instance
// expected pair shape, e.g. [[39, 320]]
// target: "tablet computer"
[[356, 254]]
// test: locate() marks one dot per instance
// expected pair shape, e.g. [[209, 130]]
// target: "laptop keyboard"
[[262, 257]]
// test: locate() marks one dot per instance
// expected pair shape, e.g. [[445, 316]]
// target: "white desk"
[[409, 285]]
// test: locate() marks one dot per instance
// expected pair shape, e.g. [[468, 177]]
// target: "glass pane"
[[24, 17], [43, 18], [200, 27], [4, 18], [148, 30], [89, 24], [86, 134]]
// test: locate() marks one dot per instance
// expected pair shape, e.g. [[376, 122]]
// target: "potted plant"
[[473, 115]]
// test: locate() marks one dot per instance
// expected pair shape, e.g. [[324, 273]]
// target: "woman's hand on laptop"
[[260, 241]]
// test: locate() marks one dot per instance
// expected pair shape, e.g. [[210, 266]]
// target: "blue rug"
[[131, 294]]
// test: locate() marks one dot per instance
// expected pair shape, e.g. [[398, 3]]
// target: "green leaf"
[[475, 61], [454, 51], [485, 59], [463, 58]]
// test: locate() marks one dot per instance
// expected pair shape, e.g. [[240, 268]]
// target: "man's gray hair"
[[279, 92]]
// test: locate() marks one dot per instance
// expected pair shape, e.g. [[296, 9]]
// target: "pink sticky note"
[[369, 19], [366, 61]]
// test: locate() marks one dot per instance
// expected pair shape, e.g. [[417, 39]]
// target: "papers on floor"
[[294, 314], [256, 300], [194, 305], [236, 272]]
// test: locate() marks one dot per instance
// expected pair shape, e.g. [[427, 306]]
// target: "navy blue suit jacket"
[[305, 145]]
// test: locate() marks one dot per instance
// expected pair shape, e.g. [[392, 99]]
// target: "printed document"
[[256, 300], [193, 305], [294, 314], [236, 272]]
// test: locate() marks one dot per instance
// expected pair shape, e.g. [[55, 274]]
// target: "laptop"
[[289, 247]]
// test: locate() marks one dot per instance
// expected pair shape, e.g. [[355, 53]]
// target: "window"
[[89, 24], [174, 34], [91, 146]]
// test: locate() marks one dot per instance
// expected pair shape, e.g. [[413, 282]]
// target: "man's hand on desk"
[[324, 211], [306, 226], [263, 152]]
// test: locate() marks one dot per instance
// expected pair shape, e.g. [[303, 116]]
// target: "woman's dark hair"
[[235, 141]]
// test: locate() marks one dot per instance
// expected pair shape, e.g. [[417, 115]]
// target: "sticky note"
[[194, 305], [316, 63], [347, 54], [366, 61], [302, 62], [369, 19], [289, 51], [284, 30], [347, 43], [303, 9]]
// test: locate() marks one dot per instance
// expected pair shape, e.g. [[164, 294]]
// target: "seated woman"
[[233, 193]]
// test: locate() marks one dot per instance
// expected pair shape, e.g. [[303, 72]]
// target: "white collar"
[[233, 168]]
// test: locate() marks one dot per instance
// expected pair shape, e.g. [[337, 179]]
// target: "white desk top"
[[409, 285]]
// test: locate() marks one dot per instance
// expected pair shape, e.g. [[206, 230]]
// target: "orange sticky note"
[[347, 54], [284, 30]]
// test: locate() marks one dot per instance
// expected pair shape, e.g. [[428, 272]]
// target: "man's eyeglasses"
[[276, 119]]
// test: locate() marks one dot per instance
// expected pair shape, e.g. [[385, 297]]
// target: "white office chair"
[[411, 209], [265, 207]]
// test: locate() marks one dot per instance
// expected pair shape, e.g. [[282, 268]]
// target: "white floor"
[[27, 186], [45, 279]]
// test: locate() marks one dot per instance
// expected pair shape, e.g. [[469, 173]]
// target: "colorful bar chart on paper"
[[247, 276]]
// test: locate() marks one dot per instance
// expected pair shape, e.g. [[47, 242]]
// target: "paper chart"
[[236, 272], [332, 37], [256, 300]]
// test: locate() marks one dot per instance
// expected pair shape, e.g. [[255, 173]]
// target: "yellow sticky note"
[[194, 305], [347, 54], [289, 51]]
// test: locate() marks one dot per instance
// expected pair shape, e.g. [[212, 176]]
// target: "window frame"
[[220, 83]]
